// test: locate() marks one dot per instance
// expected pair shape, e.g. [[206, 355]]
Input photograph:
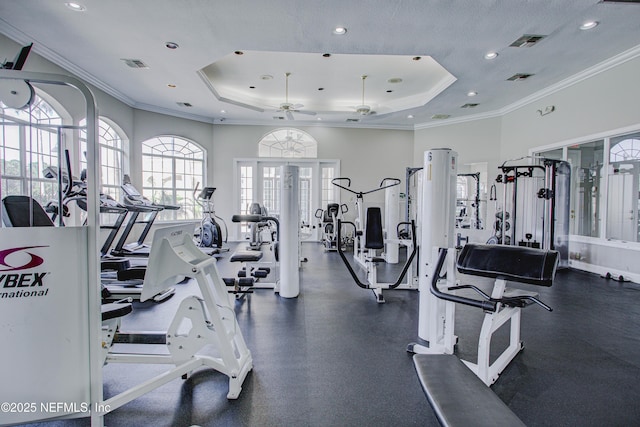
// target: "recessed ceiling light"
[[588, 25], [320, 88], [223, 111], [171, 85], [171, 45], [340, 31], [472, 93], [319, 118], [394, 80], [491, 55], [326, 55], [389, 91], [252, 87], [417, 58], [239, 52], [410, 116], [266, 77], [75, 6]]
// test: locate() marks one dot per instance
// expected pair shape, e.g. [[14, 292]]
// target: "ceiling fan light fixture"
[[363, 110]]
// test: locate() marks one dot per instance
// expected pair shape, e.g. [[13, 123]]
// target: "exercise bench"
[[459, 390]]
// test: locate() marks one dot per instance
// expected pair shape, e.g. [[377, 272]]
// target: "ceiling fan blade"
[[289, 115], [309, 113]]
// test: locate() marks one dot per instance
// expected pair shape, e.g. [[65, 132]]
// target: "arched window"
[[628, 149], [113, 157], [288, 143], [171, 168], [27, 150]]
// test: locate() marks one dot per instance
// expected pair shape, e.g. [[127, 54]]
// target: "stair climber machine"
[[137, 204], [440, 286], [369, 240], [208, 235], [329, 224]]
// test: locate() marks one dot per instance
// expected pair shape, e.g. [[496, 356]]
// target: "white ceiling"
[[282, 36]]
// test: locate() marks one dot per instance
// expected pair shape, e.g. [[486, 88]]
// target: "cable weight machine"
[[535, 206]]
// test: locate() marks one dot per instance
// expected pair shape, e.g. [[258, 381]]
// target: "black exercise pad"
[[458, 396]]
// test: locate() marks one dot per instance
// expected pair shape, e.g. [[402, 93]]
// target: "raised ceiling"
[[279, 37]]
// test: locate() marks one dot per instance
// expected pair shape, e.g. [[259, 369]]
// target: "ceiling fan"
[[289, 108], [364, 109]]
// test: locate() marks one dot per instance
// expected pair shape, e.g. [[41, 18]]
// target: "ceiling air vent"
[[278, 117], [469, 105], [519, 76], [353, 120], [184, 104], [620, 1], [527, 40], [135, 63], [440, 116]]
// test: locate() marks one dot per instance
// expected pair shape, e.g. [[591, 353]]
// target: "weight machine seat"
[[515, 263], [246, 256], [15, 212], [114, 310], [374, 238], [458, 397]]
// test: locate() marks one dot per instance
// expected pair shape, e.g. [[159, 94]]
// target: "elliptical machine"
[[209, 233]]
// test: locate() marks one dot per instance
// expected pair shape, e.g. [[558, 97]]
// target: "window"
[[605, 187], [328, 189], [305, 192], [112, 156], [288, 143], [246, 188], [622, 189], [27, 150], [171, 168], [587, 162], [271, 189]]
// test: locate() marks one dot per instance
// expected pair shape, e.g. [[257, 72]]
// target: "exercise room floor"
[[334, 357]]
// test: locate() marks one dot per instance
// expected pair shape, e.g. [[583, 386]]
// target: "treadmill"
[[137, 204], [120, 279]]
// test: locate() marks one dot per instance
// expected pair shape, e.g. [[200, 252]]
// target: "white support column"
[[289, 229], [437, 231]]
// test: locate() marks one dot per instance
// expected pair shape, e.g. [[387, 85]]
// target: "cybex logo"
[[13, 281], [33, 260]]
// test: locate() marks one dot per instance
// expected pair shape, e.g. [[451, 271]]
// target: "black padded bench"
[[458, 397], [515, 263], [246, 256]]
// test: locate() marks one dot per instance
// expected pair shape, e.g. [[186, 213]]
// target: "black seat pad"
[[374, 238], [458, 397], [246, 256], [516, 263]]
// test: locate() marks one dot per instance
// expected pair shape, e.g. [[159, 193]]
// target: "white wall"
[[602, 103]]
